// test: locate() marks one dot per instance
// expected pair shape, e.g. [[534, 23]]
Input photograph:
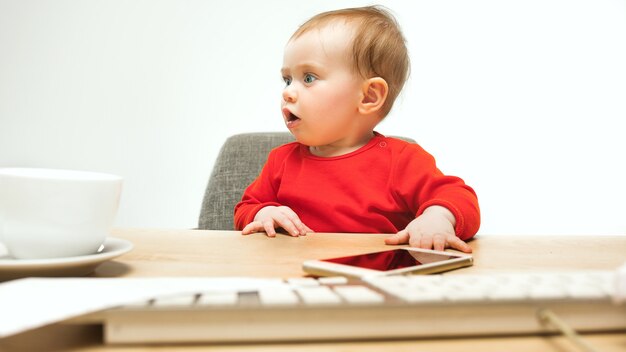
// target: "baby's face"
[[322, 90]]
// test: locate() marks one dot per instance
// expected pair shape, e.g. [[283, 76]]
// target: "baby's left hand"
[[434, 229]]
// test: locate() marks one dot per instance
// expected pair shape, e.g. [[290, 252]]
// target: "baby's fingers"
[[255, 226], [426, 242], [457, 243], [288, 226], [260, 226], [291, 223], [439, 243], [401, 237], [268, 226]]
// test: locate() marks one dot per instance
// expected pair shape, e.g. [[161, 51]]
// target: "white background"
[[525, 100]]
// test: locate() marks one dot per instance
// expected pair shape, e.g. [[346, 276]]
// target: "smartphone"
[[399, 261]]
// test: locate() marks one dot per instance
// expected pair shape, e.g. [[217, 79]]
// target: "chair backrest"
[[238, 163]]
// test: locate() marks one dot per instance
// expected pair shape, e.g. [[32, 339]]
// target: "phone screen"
[[390, 260]]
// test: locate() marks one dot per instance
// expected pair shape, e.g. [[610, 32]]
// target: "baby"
[[343, 71]]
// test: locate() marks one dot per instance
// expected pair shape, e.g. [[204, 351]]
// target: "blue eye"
[[309, 78], [287, 80]]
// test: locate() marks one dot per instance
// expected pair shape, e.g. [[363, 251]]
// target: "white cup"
[[47, 213]]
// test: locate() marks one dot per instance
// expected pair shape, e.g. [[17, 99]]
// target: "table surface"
[[197, 253]]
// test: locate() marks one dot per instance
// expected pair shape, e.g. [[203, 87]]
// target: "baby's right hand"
[[271, 217]]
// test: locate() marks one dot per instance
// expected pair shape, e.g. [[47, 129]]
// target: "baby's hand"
[[271, 217], [434, 229]]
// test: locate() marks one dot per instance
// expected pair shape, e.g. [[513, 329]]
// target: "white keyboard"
[[378, 307]]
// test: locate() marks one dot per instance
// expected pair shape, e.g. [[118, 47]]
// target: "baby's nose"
[[289, 94]]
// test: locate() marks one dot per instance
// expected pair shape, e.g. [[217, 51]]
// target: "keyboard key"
[[467, 295], [218, 299], [586, 292], [413, 295], [175, 301], [318, 295], [302, 281], [429, 279], [359, 294], [278, 297], [383, 282], [547, 292], [506, 294], [333, 280]]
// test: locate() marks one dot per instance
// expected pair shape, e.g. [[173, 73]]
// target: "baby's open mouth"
[[291, 117], [291, 120]]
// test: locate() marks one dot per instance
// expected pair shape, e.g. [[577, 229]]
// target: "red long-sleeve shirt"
[[378, 188]]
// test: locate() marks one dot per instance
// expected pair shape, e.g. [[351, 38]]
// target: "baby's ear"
[[374, 92]]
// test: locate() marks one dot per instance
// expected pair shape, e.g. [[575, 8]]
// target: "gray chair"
[[238, 163]]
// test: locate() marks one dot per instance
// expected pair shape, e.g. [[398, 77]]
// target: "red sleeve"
[[260, 193], [421, 184]]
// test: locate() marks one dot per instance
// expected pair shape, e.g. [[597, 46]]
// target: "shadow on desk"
[[60, 337], [107, 269], [54, 338], [111, 269]]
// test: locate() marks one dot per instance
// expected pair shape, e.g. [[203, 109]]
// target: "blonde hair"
[[378, 47]]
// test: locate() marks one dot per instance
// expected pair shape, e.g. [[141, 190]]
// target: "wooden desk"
[[224, 253]]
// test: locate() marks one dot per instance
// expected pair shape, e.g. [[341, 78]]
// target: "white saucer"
[[11, 268]]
